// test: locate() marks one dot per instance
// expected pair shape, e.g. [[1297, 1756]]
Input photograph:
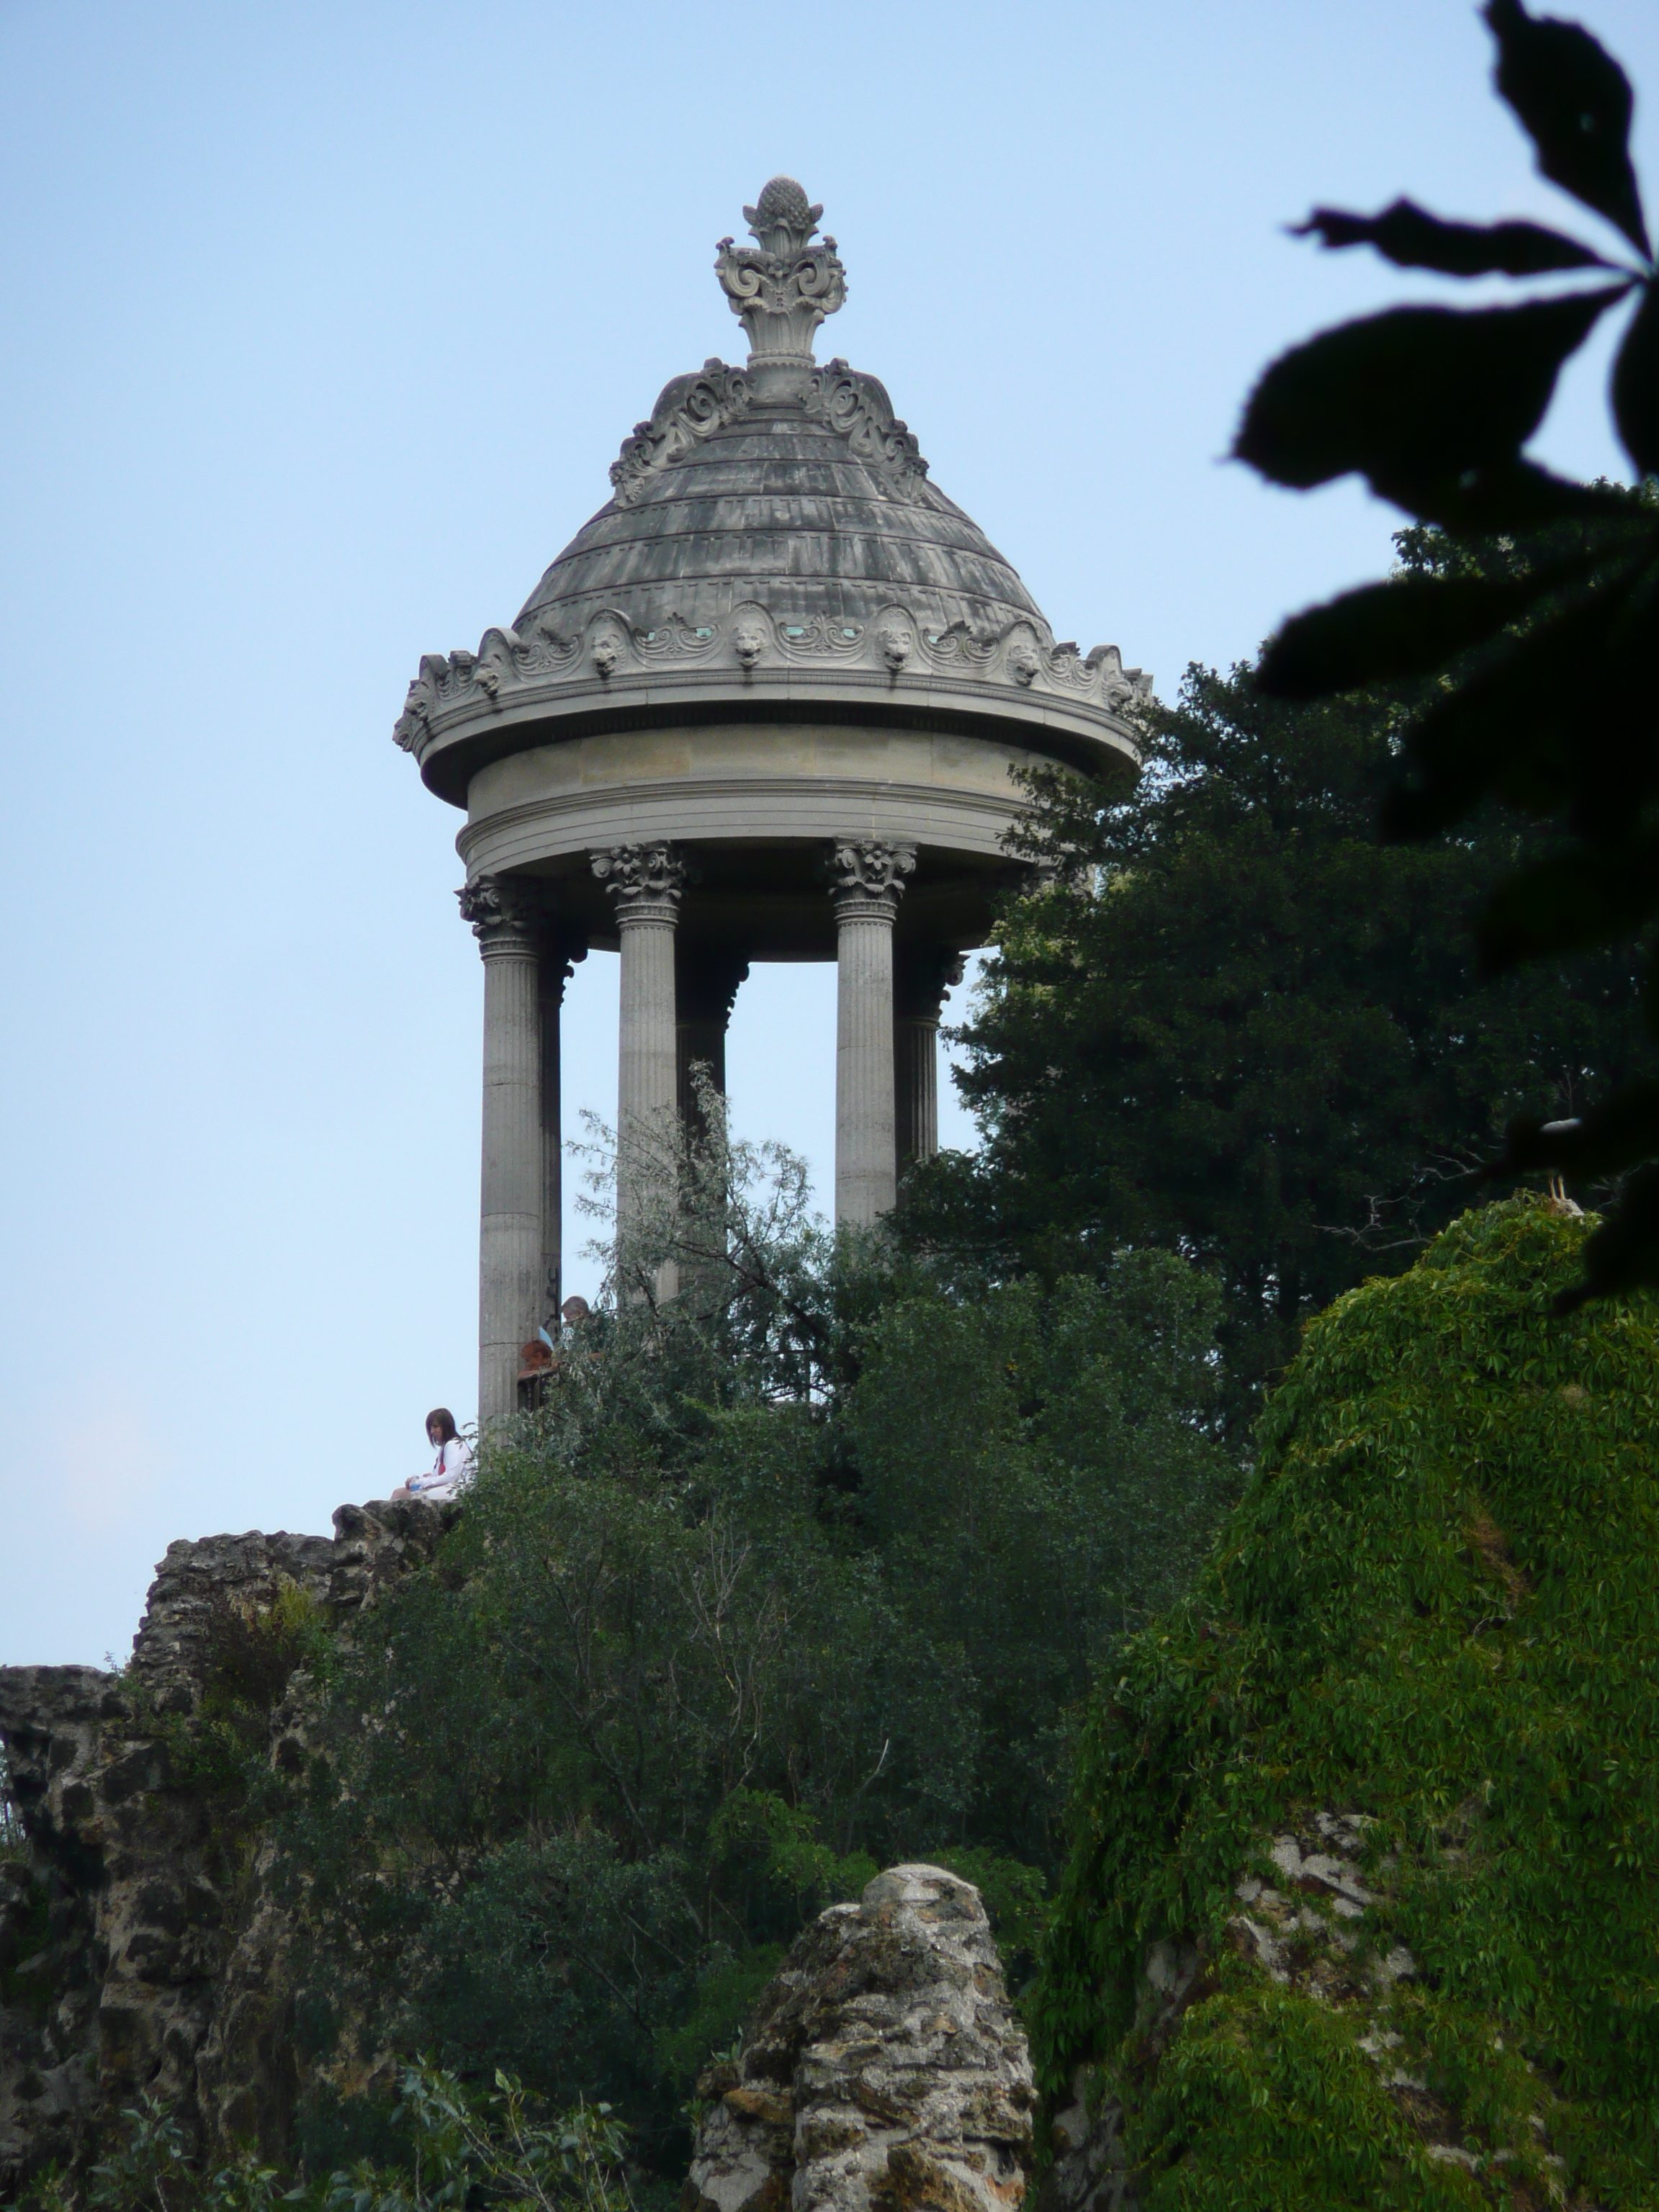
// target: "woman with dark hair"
[[452, 1469]]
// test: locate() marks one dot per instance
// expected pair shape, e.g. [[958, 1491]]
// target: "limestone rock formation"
[[882, 2068], [137, 1950]]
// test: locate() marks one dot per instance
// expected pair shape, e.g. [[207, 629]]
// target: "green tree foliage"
[[724, 1629], [1548, 700], [1243, 1028], [1437, 1606], [459, 2147]]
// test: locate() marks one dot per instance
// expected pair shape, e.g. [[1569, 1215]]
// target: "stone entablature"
[[746, 783]]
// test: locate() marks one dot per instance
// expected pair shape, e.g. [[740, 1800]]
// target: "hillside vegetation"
[[722, 1632], [1433, 1620]]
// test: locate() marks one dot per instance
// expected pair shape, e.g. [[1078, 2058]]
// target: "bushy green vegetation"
[[796, 1575], [1437, 1605], [1437, 408], [1241, 1026], [483, 2148]]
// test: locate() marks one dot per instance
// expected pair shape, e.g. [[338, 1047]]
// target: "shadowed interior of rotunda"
[[773, 701]]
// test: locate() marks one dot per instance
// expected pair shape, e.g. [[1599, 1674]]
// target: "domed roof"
[[772, 546], [775, 503]]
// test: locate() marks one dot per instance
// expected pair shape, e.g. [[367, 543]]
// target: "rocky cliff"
[[140, 1948]]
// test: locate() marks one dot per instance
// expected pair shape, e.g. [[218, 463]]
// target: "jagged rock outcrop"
[[882, 2068], [137, 1948]]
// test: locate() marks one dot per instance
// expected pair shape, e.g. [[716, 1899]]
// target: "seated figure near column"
[[452, 1469]]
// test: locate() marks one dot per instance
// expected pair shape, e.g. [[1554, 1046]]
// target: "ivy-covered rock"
[[1361, 1907]]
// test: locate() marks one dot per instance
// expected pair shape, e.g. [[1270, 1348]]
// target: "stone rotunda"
[[766, 705]]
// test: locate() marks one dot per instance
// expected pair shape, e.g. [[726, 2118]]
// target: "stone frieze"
[[548, 669]]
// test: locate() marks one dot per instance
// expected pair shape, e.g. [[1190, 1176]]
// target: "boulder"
[[882, 2069]]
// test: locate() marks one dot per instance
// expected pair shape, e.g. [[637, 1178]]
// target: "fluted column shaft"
[[866, 877], [511, 1194], [645, 883], [924, 978], [915, 1082], [706, 980], [557, 955]]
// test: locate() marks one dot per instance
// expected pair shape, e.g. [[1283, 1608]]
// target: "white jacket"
[[451, 1471]]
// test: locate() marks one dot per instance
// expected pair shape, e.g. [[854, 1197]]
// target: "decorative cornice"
[[689, 409], [782, 286], [609, 655], [866, 877], [644, 881]]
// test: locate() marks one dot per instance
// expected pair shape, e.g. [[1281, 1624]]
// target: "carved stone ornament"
[[507, 913], [782, 286], [868, 873], [924, 976], [542, 672], [707, 983], [856, 408], [688, 410], [645, 881]]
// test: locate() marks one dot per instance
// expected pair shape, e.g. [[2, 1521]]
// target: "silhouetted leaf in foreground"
[[1575, 103], [1411, 238], [1613, 1136], [1409, 626], [1423, 402], [1544, 687], [1586, 897], [1542, 722], [1636, 386], [1624, 1253]]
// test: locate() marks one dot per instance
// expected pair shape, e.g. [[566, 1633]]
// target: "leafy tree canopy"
[[1241, 1026], [729, 1625], [1548, 700]]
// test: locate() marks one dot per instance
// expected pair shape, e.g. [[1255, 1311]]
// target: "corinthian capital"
[[644, 881], [867, 874], [505, 913]]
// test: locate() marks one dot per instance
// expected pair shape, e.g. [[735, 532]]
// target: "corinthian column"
[[866, 878], [558, 954], [925, 975], [645, 882], [706, 980], [504, 919]]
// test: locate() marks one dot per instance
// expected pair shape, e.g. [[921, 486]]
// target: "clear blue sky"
[[323, 324]]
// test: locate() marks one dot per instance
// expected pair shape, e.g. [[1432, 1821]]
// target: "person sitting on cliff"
[[452, 1469]]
